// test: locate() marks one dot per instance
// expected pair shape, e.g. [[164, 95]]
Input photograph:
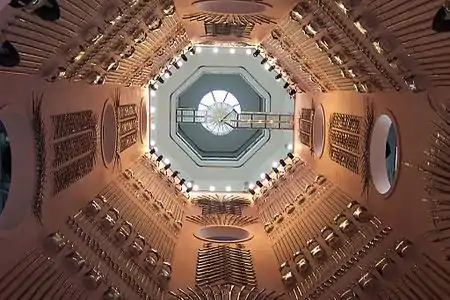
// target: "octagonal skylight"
[[220, 109]]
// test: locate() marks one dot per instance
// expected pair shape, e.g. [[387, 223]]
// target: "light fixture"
[[228, 188], [152, 93], [441, 21], [160, 79], [248, 51], [159, 158], [156, 149], [282, 163], [174, 174], [199, 49], [166, 167], [166, 161], [192, 50], [267, 176], [290, 155], [182, 181], [251, 185], [189, 184], [215, 50], [189, 189], [259, 184], [262, 175], [152, 126], [212, 188], [176, 65], [264, 60], [278, 76], [289, 147], [251, 191], [275, 164], [286, 85], [195, 187], [152, 151], [256, 53], [180, 63], [167, 73], [232, 50], [152, 109], [183, 57], [152, 143], [276, 170], [292, 92], [271, 68], [154, 86]]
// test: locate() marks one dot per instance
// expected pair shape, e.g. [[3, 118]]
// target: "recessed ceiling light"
[[152, 143], [195, 188], [215, 50], [152, 109], [152, 93], [189, 184], [275, 164], [212, 188], [152, 127], [232, 50], [289, 147], [166, 161], [262, 176], [228, 188], [198, 49], [248, 51]]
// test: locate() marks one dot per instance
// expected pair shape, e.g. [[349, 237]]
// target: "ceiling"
[[236, 158]]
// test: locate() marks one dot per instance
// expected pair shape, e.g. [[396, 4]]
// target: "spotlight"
[[248, 51], [276, 170], [189, 184], [286, 85], [152, 109], [232, 50], [441, 21], [267, 66], [289, 147], [176, 65], [215, 50], [167, 73], [160, 158], [152, 126], [274, 164], [152, 143], [183, 57], [198, 49], [271, 68], [166, 161], [212, 188], [152, 93], [174, 174], [262, 176], [292, 92], [282, 163], [188, 190], [152, 151], [179, 63], [259, 184], [290, 155], [251, 185], [267, 176], [159, 78], [192, 50], [278, 76], [256, 53], [166, 167], [153, 86], [228, 188], [264, 60], [182, 181], [251, 191], [195, 188]]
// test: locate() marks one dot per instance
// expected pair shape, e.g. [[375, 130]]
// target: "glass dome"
[[220, 110]]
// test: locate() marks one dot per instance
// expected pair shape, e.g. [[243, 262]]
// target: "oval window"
[[319, 131], [5, 176], [384, 154]]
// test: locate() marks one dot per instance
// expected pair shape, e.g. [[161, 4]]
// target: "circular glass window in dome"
[[223, 234], [5, 167], [109, 134], [384, 154], [319, 131], [220, 110]]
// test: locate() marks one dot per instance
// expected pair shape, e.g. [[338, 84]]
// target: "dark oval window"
[[5, 160]]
